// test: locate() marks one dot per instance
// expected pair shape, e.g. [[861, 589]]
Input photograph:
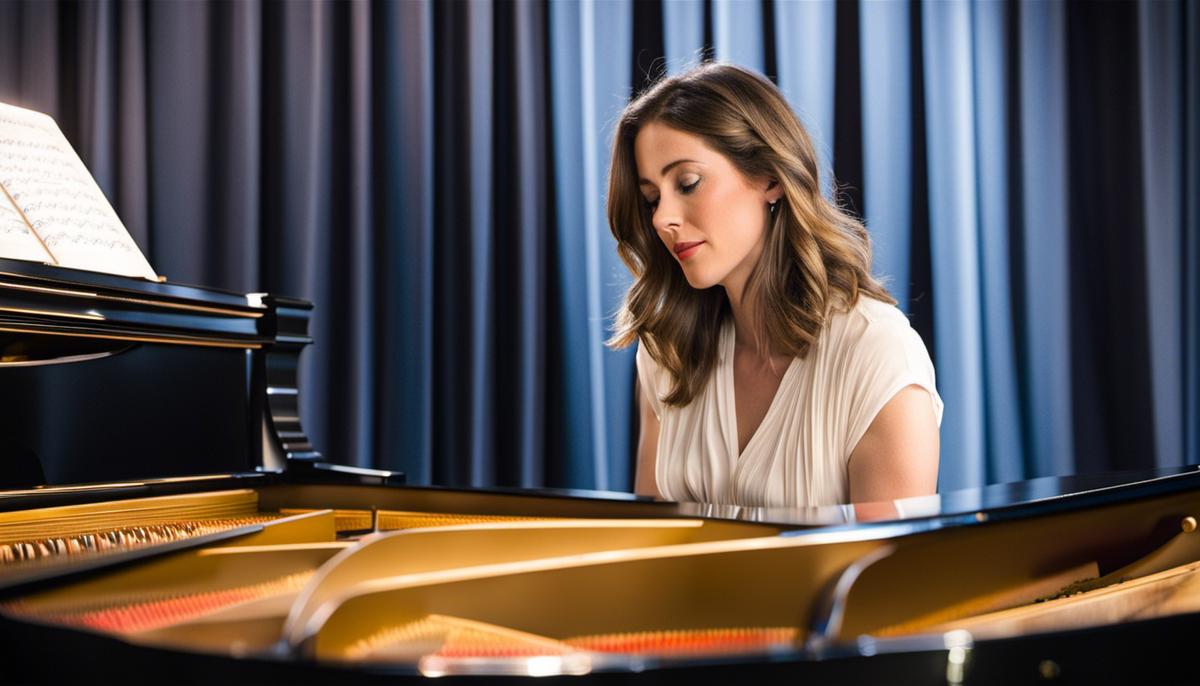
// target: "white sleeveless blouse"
[[826, 400]]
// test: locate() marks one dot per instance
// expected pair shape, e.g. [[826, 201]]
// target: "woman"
[[774, 370]]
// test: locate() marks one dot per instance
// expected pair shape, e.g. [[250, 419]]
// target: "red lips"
[[680, 248]]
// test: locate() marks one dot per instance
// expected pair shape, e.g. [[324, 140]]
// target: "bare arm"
[[647, 453], [898, 455]]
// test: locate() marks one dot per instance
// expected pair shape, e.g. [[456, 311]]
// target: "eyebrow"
[[667, 168]]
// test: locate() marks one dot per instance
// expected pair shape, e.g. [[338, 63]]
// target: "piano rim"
[[639, 506]]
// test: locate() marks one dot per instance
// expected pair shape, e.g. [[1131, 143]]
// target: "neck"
[[745, 313], [745, 318], [741, 303], [745, 324]]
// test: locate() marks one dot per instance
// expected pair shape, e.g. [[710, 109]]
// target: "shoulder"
[[876, 353], [870, 325], [873, 347]]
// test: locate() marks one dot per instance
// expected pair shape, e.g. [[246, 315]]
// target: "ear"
[[773, 191]]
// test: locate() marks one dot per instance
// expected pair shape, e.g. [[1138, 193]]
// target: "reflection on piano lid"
[[166, 517]]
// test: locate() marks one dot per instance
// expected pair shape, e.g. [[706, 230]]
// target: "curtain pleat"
[[649, 44], [1003, 430], [433, 175], [576, 443], [887, 156], [593, 70], [1191, 244], [457, 226], [805, 33], [241, 141], [847, 109], [131, 193], [1044, 217], [354, 46], [1110, 357], [683, 29], [45, 55], [738, 32], [404, 202], [10, 46], [96, 95], [473, 187], [180, 129], [532, 122], [954, 210], [922, 297], [1160, 59]]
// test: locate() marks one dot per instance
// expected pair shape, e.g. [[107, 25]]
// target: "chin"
[[701, 280]]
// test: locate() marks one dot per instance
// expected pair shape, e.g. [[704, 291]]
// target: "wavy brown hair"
[[816, 259]]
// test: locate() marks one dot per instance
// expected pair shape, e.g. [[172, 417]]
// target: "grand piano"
[[165, 518]]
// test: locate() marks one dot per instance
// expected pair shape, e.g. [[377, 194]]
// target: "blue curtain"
[[432, 175]]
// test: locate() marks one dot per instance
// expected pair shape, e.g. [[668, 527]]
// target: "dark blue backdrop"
[[431, 174]]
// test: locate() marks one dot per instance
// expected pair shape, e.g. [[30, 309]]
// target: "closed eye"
[[684, 189]]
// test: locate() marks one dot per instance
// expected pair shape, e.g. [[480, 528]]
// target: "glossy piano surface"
[[961, 506]]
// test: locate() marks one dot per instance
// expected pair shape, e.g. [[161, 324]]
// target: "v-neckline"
[[732, 414]]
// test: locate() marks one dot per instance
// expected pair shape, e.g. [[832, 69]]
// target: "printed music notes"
[[16, 240], [51, 209]]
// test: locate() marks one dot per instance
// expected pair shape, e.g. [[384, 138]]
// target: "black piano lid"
[[74, 304], [111, 378], [36, 271]]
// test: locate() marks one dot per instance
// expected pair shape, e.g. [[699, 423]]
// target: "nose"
[[666, 216]]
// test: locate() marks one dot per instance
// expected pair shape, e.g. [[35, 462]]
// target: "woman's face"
[[710, 217]]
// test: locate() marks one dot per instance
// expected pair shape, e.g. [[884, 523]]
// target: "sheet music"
[[16, 240], [59, 198]]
